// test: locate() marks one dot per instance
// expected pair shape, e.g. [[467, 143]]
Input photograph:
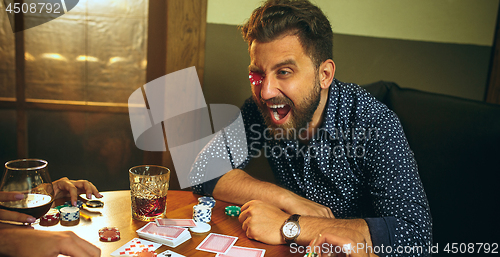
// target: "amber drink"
[[148, 191]]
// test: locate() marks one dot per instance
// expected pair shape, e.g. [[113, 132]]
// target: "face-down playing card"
[[170, 232], [175, 222], [237, 251], [217, 243]]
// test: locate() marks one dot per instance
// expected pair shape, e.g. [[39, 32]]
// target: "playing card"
[[169, 253], [217, 243], [135, 245], [237, 251], [171, 232], [176, 222]]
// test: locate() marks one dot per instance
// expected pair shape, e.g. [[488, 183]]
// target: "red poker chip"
[[51, 215], [48, 222], [146, 253], [255, 78], [109, 234]]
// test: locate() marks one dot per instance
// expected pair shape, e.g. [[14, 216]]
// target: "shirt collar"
[[331, 107]]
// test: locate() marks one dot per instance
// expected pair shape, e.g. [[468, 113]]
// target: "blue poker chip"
[[69, 214], [79, 203], [206, 200]]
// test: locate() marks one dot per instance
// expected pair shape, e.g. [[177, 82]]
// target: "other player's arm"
[[12, 215], [29, 242], [238, 187]]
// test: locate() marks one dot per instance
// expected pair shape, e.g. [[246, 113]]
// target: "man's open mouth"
[[279, 111]]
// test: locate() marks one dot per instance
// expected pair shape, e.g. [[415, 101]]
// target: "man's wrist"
[[290, 230], [284, 199]]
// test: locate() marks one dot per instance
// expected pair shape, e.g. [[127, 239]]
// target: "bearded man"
[[340, 157]]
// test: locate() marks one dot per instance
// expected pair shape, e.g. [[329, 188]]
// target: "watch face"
[[290, 229]]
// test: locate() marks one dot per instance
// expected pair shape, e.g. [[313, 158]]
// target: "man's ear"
[[326, 73]]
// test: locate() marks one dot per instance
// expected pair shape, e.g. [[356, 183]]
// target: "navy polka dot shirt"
[[359, 164]]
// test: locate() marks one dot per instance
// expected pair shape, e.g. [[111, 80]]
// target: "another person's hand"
[[330, 244], [262, 222], [62, 187], [295, 204], [28, 243], [65, 187], [12, 215]]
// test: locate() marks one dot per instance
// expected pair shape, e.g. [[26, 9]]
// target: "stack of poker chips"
[[50, 218], [202, 212], [70, 216]]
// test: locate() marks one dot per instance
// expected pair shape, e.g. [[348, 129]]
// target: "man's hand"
[[262, 222], [12, 215], [28, 242], [338, 244], [64, 186], [294, 204]]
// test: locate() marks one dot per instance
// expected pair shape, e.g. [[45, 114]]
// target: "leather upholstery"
[[456, 143]]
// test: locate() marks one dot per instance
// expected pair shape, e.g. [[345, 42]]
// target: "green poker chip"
[[233, 211], [62, 206]]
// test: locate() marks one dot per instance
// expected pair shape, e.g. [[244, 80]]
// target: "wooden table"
[[117, 213]]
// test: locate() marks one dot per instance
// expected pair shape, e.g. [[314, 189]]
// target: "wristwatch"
[[291, 229]]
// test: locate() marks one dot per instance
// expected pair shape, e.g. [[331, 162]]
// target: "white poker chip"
[[201, 227]]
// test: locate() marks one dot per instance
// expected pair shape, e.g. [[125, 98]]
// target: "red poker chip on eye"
[[109, 234], [255, 78], [146, 253]]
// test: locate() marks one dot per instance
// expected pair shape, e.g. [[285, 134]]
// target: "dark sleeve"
[[402, 215], [206, 188], [382, 230]]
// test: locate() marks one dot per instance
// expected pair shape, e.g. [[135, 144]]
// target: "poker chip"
[[109, 234], [146, 253], [201, 227], [69, 213], [62, 206], [50, 218], [94, 204], [207, 200], [255, 78], [79, 203], [51, 214], [202, 213], [69, 216], [233, 211]]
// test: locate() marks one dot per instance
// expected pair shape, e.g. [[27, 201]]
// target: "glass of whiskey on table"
[[148, 191]]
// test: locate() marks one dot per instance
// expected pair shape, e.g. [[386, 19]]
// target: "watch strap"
[[292, 218]]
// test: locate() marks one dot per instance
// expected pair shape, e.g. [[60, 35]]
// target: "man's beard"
[[300, 115]]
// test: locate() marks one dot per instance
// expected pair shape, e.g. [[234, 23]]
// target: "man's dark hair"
[[296, 17]]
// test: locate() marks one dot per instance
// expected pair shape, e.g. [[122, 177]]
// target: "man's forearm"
[[238, 187]]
